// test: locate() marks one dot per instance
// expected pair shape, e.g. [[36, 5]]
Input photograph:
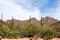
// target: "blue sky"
[[22, 9]]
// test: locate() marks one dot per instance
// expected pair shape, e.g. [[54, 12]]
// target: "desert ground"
[[28, 39]]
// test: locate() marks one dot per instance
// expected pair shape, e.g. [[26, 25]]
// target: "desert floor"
[[28, 39]]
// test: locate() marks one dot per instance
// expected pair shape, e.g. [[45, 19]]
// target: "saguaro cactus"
[[41, 21], [30, 20]]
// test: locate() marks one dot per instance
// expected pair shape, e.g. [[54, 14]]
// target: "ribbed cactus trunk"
[[41, 21], [30, 20], [11, 23]]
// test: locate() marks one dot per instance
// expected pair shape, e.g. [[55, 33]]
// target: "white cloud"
[[10, 9], [53, 12], [57, 13]]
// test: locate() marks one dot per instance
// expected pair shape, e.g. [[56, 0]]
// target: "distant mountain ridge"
[[45, 20], [49, 20]]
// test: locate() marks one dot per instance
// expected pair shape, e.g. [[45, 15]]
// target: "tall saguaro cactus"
[[30, 20], [11, 23], [41, 21]]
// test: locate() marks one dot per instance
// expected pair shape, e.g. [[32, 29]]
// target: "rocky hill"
[[45, 20], [49, 20]]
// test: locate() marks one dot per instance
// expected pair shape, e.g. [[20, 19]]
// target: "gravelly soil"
[[29, 38]]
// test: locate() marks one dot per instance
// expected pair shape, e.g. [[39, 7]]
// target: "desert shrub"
[[28, 30], [4, 31], [48, 32], [57, 28]]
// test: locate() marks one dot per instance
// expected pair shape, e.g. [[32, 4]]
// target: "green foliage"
[[4, 31], [46, 37], [47, 32], [57, 28], [28, 30], [44, 30]]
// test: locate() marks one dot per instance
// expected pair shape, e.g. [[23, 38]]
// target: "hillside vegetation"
[[30, 28]]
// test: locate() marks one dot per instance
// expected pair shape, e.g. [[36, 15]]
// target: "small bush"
[[28, 30]]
